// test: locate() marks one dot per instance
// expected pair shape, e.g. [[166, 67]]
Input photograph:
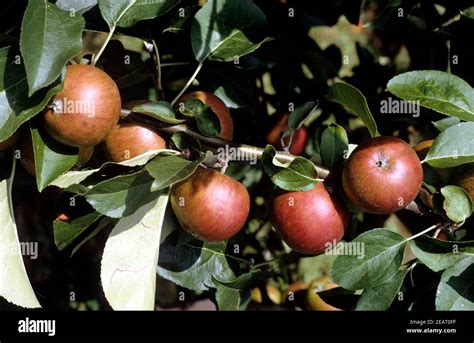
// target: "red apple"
[[210, 206], [86, 110], [311, 221], [129, 140], [382, 175]]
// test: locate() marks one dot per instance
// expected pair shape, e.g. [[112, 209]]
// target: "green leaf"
[[299, 175], [52, 159], [234, 85], [76, 177], [181, 19], [168, 170], [354, 102], [184, 141], [438, 255], [66, 232], [231, 299], [468, 12], [227, 29], [15, 286], [122, 195], [444, 123], [49, 38], [15, 105], [113, 10], [297, 118], [452, 147], [128, 268], [456, 288], [102, 224], [160, 110], [334, 144], [379, 298], [194, 264], [440, 91], [457, 203], [380, 256], [79, 6], [208, 123], [192, 108], [145, 9], [245, 280]]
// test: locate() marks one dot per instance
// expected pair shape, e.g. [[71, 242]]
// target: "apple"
[[309, 221], [218, 107], [209, 205], [129, 140], [382, 175], [298, 142], [86, 110]]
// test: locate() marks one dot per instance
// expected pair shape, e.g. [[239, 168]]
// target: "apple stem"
[[190, 81], [286, 147]]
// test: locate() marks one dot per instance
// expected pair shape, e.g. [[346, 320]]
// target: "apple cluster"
[[382, 175]]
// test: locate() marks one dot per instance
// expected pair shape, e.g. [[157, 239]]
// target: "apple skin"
[[442, 236], [298, 142], [10, 141], [96, 111], [129, 140], [84, 155], [210, 206], [218, 107], [382, 175], [308, 221]]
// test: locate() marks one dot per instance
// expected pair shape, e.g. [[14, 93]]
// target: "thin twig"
[[102, 48], [425, 231], [159, 86], [190, 81], [174, 64]]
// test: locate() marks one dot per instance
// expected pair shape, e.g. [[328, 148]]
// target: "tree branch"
[[249, 150]]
